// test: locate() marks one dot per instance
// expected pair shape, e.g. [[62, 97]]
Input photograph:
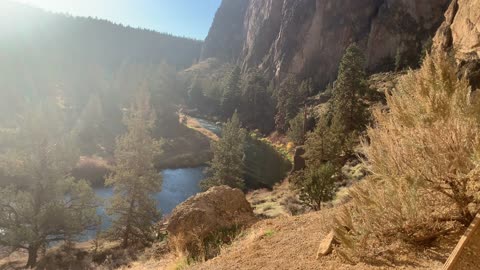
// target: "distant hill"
[[46, 54], [24, 29]]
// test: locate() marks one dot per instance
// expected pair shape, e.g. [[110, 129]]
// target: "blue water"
[[210, 126], [178, 185], [264, 166]]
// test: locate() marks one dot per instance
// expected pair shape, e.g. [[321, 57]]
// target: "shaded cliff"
[[308, 37], [460, 34], [225, 36]]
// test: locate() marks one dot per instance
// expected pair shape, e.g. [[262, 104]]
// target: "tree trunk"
[[127, 227], [32, 257]]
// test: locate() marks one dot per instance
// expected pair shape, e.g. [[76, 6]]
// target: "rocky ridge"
[[308, 37]]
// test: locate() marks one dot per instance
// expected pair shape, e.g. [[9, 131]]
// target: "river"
[[178, 185], [263, 166]]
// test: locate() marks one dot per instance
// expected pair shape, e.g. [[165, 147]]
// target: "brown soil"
[[292, 243]]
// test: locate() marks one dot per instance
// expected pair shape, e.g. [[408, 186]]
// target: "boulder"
[[326, 246], [218, 209], [460, 34]]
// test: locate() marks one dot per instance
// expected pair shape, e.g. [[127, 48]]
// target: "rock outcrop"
[[219, 208], [308, 37], [460, 34]]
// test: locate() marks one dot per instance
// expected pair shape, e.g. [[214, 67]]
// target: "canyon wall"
[[308, 37]]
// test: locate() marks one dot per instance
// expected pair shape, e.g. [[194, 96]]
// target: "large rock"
[[460, 34], [309, 37], [220, 208]]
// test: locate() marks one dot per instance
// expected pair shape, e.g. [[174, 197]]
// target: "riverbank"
[[189, 149], [194, 124]]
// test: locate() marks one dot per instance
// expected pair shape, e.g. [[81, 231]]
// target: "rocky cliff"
[[308, 37], [460, 34]]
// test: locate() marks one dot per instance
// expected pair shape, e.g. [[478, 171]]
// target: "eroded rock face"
[[224, 41], [217, 209], [460, 34], [309, 37]]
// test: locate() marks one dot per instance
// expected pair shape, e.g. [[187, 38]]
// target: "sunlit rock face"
[[309, 37], [460, 34]]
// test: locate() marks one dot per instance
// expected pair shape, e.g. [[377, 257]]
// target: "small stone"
[[326, 246]]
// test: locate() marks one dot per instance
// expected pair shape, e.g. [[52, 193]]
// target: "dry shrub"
[[423, 156], [66, 257], [93, 169], [200, 249]]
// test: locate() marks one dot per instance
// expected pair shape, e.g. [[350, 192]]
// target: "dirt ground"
[[292, 243], [288, 242]]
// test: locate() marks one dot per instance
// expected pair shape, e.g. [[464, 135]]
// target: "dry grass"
[[291, 242], [423, 156], [281, 201]]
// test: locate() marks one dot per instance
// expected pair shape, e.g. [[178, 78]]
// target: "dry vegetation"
[[291, 242], [423, 157], [281, 201]]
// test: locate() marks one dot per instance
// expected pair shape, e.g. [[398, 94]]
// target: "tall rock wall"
[[460, 34], [308, 37]]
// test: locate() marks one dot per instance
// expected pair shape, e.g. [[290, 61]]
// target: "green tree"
[[349, 110], [227, 165], [49, 205], [306, 87], [289, 101], [231, 94], [135, 179], [322, 145], [296, 130], [316, 185], [256, 110]]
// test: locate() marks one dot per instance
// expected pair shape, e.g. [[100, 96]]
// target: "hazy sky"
[[191, 18]]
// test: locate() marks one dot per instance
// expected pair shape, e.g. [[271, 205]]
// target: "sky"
[[189, 18]]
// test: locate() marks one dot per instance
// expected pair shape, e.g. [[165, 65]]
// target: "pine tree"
[[89, 127], [348, 106], [231, 95], [135, 179], [306, 87], [290, 100], [256, 110], [296, 130], [316, 185], [322, 145], [48, 206], [227, 165]]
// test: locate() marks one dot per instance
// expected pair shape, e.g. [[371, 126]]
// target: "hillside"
[[43, 54], [293, 242]]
